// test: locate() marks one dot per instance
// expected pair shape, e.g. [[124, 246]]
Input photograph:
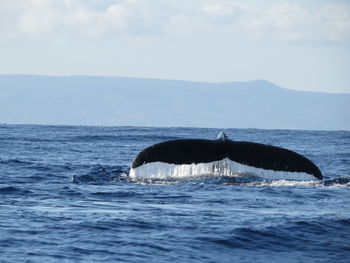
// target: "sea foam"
[[225, 167]]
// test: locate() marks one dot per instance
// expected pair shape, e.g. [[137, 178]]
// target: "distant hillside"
[[148, 102]]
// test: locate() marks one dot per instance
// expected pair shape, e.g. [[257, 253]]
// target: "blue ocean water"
[[65, 197]]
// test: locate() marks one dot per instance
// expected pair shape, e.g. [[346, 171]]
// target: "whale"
[[221, 157]]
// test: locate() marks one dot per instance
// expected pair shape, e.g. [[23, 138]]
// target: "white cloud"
[[335, 20], [286, 21], [218, 9], [279, 21]]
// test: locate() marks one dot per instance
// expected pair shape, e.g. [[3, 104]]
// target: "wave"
[[14, 162], [101, 174], [341, 181], [243, 180], [288, 236], [8, 190]]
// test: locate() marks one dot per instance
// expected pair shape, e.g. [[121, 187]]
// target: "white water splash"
[[225, 167], [275, 183]]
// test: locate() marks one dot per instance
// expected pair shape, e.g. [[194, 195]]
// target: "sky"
[[296, 44]]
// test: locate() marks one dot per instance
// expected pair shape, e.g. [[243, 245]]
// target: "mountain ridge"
[[249, 82], [124, 101]]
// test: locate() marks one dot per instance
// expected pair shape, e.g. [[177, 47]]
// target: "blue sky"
[[302, 45]]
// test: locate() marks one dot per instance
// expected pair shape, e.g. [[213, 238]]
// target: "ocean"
[[65, 196]]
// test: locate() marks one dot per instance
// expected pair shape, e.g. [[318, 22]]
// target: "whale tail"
[[188, 157]]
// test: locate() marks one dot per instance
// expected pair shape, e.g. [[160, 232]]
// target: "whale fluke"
[[188, 157]]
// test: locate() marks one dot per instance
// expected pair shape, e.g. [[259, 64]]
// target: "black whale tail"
[[190, 157]]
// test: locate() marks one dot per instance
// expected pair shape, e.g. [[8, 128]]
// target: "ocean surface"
[[65, 196]]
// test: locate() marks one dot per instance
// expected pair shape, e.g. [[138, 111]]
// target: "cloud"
[[287, 21], [283, 21], [218, 9], [334, 20]]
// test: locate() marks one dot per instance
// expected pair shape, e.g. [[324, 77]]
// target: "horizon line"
[[170, 127]]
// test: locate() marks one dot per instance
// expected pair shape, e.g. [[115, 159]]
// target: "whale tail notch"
[[222, 136]]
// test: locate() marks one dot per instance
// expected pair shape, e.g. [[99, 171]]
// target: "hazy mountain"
[[84, 100]]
